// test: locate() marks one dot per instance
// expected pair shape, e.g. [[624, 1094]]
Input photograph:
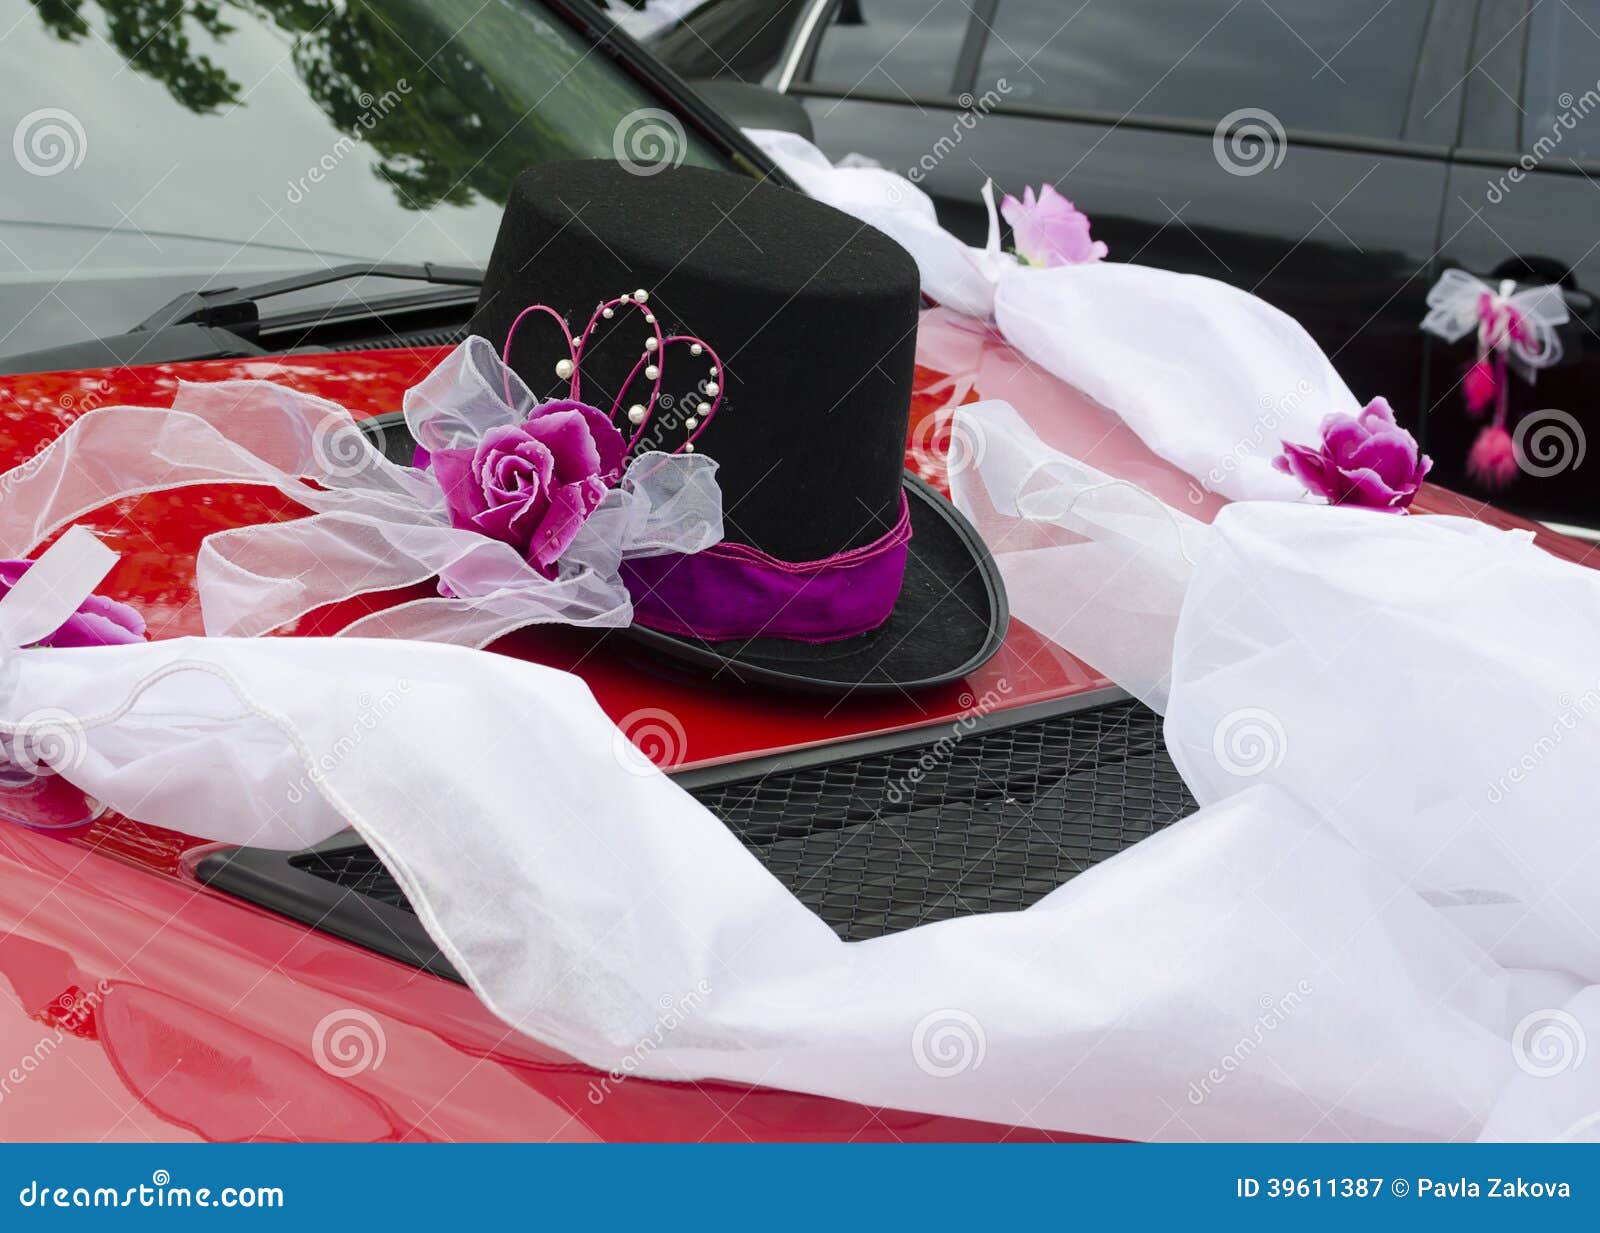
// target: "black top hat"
[[813, 317]]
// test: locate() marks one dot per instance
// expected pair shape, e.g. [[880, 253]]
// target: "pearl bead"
[[624, 297], [695, 348], [711, 388], [641, 295], [691, 423], [651, 372], [608, 313], [563, 369], [650, 318], [688, 447], [650, 344], [636, 414]]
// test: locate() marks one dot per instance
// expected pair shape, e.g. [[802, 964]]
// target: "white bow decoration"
[[1521, 323], [376, 526]]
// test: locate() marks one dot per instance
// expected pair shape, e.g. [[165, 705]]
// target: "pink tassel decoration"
[[1493, 460], [1480, 387]]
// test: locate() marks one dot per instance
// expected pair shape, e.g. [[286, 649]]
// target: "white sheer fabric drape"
[[1349, 939]]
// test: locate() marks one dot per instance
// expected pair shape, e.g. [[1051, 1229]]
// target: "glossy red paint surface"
[[137, 1004]]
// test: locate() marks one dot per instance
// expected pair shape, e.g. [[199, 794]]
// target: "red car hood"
[[144, 1005]]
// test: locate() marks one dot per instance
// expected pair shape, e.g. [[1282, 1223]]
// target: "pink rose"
[[1365, 460], [1049, 229], [534, 484]]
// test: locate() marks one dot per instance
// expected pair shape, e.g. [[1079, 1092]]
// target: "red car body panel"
[[138, 1004]]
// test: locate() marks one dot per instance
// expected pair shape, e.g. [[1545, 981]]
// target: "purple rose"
[[1049, 229], [1365, 460], [97, 622], [532, 485]]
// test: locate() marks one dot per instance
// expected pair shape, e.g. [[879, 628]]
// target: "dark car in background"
[[1332, 158]]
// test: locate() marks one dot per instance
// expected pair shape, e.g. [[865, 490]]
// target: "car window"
[[905, 48], [1340, 68], [1561, 89]]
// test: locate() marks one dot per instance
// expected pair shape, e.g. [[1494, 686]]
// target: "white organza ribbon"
[[45, 597], [1096, 564], [376, 525], [1211, 378], [1457, 306]]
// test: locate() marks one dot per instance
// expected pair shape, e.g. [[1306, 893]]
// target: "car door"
[[1297, 150], [1524, 203]]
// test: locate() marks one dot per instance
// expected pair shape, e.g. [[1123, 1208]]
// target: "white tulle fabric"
[[1359, 934], [377, 526], [1211, 378]]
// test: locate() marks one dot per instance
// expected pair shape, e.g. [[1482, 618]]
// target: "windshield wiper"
[[222, 322]]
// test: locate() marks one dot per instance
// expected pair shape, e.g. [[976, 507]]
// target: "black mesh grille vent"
[[968, 821], [978, 822]]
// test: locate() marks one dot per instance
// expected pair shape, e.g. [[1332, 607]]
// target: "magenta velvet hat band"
[[736, 591]]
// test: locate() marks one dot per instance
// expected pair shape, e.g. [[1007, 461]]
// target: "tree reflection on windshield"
[[474, 83]]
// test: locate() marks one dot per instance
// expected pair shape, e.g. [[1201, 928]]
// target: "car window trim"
[[1444, 55], [1486, 105], [1589, 168], [979, 27], [802, 51], [1310, 138]]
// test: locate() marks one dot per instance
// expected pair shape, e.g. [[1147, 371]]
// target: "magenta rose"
[[1049, 229], [1365, 460], [532, 485], [97, 622]]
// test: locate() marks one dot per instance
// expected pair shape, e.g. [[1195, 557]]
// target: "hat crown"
[[812, 313]]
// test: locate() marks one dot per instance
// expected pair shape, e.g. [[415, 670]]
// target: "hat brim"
[[951, 617]]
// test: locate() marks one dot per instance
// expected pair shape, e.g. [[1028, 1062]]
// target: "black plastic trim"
[[268, 879]]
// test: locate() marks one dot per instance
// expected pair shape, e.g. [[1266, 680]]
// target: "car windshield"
[[158, 146]]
